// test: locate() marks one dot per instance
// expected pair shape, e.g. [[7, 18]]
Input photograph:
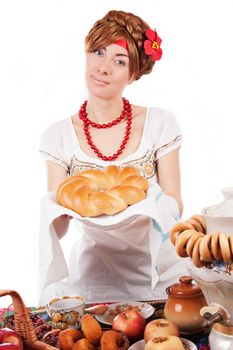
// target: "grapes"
[[41, 327]]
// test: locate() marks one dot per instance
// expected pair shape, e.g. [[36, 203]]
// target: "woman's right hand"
[[55, 175], [61, 224]]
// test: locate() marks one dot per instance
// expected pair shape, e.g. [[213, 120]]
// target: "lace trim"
[[168, 146], [49, 156], [145, 164]]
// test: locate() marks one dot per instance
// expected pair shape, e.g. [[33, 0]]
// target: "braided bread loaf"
[[96, 192], [190, 239]]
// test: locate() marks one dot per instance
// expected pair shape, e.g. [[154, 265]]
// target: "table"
[[201, 339]]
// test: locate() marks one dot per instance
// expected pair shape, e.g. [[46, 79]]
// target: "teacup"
[[66, 311]]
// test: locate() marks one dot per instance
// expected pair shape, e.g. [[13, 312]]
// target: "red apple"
[[10, 336], [160, 328], [8, 346], [170, 342], [132, 323], [1, 335]]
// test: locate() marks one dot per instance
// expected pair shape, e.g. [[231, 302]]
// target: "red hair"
[[117, 25]]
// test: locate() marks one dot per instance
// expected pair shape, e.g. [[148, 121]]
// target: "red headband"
[[122, 42]]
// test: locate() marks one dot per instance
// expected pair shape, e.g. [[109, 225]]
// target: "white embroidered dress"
[[122, 257]]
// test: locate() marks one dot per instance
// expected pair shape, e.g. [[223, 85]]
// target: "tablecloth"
[[201, 339]]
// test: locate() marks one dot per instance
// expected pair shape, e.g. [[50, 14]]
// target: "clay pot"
[[185, 299]]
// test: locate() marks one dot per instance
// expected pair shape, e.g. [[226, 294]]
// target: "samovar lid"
[[223, 209]]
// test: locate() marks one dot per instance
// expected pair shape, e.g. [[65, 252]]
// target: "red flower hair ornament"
[[152, 46]]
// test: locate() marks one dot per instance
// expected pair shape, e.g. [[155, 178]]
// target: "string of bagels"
[[191, 240]]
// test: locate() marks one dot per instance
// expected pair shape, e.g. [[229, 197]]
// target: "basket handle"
[[23, 323]]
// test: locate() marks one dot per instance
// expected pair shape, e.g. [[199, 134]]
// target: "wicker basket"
[[23, 324]]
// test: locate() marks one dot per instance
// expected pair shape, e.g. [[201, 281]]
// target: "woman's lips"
[[99, 81]]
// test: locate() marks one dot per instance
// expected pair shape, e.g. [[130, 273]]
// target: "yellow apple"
[[160, 328], [170, 342]]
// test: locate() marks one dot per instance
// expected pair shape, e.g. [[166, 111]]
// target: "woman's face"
[[107, 71]]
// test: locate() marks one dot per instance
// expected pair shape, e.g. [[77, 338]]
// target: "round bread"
[[68, 337], [114, 340], [91, 329], [95, 192], [83, 344]]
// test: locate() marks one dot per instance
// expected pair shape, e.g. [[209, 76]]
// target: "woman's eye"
[[120, 62], [99, 52]]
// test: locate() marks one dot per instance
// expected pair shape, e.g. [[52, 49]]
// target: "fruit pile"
[[127, 327], [43, 329], [90, 337]]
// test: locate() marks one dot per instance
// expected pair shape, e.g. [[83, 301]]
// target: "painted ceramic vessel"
[[185, 300], [66, 311]]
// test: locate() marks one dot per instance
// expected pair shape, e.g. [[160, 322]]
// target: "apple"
[[160, 328], [8, 346], [10, 336], [1, 336], [170, 342], [130, 322]]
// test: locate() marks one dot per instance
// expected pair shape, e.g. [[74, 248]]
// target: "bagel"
[[231, 244], [204, 249], [96, 192], [192, 243], [68, 337], [215, 246], [190, 239], [196, 224], [196, 255], [199, 219], [177, 229], [181, 242], [114, 340], [91, 329]]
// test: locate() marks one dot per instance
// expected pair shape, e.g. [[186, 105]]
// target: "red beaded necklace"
[[127, 111]]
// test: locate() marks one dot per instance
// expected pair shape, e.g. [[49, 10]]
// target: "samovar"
[[208, 240]]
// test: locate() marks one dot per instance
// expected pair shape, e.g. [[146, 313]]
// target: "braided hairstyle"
[[117, 25]]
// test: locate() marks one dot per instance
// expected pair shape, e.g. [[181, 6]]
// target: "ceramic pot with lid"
[[185, 299]]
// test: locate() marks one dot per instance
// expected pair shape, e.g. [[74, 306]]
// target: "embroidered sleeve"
[[51, 146], [170, 146], [48, 156], [169, 137]]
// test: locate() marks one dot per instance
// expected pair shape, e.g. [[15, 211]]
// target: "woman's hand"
[[61, 225], [55, 175]]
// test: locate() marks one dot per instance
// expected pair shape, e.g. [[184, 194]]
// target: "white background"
[[41, 81]]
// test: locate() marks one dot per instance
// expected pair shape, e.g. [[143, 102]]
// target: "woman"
[[120, 48]]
